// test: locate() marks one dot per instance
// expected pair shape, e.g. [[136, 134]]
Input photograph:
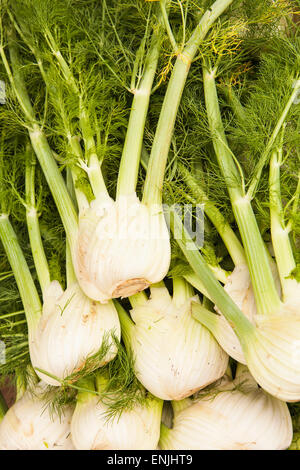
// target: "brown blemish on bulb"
[[93, 308], [92, 313], [130, 287]]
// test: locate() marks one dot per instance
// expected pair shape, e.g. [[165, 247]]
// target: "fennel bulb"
[[271, 347], [174, 355], [234, 415], [136, 429], [28, 425], [123, 247], [71, 329], [238, 286]]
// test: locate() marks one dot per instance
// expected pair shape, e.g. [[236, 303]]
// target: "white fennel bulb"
[[28, 425], [174, 354], [123, 247], [71, 329], [273, 351], [235, 415], [136, 429]]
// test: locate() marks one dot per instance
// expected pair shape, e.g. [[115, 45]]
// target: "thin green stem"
[[32, 218], [266, 296], [167, 25], [279, 232], [17, 81], [165, 127], [128, 172], [23, 34], [224, 155], [76, 150], [13, 325], [231, 241], [94, 167], [243, 327], [12, 314], [263, 159], [234, 102], [27, 289], [70, 273]]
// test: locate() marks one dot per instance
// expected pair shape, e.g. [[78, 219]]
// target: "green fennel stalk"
[[164, 131], [40, 145], [268, 301], [26, 286], [242, 326]]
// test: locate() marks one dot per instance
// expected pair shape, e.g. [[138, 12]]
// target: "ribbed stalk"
[[266, 296], [164, 131], [279, 232], [128, 171], [27, 289], [37, 249], [163, 8]]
